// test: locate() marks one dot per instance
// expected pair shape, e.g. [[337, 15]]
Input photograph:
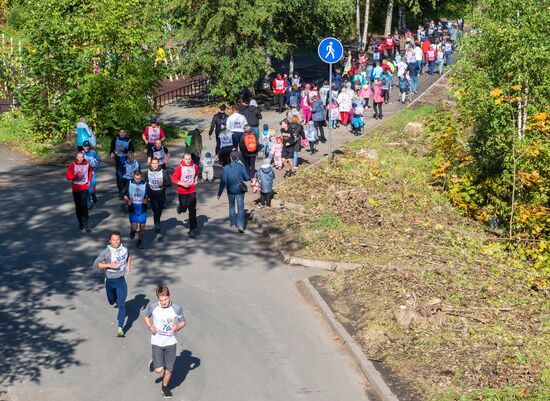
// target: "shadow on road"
[[185, 362], [133, 308]]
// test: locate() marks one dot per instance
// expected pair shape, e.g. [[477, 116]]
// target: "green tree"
[[503, 90], [87, 58]]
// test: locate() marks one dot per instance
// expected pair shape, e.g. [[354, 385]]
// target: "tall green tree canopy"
[[84, 57]]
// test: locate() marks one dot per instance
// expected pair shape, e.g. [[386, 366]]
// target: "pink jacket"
[[366, 92], [378, 98]]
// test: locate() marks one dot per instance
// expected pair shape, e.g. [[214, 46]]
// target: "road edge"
[[374, 377]]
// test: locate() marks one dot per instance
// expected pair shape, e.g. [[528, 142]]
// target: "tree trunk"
[[358, 23], [267, 83], [365, 25], [291, 65], [389, 15]]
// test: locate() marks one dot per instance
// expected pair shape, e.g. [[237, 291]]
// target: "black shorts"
[[288, 153]]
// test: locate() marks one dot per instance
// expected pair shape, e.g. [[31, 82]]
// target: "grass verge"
[[438, 300]]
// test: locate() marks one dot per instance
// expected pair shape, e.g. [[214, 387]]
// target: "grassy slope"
[[488, 339]]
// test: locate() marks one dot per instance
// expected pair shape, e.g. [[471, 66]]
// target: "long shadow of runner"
[[133, 308], [185, 363]]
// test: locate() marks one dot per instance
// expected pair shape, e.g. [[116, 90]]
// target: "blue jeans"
[[440, 66], [92, 189], [236, 218], [117, 290], [414, 83], [431, 65], [448, 58], [296, 158], [256, 131], [419, 62]]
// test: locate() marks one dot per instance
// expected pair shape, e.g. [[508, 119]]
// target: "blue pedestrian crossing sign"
[[330, 50]]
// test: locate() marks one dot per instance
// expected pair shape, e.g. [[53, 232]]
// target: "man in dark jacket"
[[253, 115], [218, 120], [233, 177], [249, 150]]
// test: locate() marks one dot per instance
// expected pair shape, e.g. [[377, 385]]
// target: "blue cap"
[[208, 154], [266, 127]]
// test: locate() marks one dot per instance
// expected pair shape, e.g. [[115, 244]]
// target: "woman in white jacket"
[[344, 105]]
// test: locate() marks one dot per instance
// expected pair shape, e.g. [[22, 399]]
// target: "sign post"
[[330, 50]]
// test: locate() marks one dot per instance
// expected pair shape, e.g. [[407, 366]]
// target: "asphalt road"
[[250, 334]]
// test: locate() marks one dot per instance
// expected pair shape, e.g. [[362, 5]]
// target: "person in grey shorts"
[[163, 320]]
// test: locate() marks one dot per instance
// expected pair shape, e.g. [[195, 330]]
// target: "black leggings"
[[278, 100], [81, 207], [265, 198], [320, 129], [189, 201], [250, 165], [378, 109], [158, 198]]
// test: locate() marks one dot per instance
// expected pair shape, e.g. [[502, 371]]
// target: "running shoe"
[[192, 234], [165, 391], [120, 332], [159, 236], [179, 210], [240, 229], [88, 229], [151, 366], [132, 234]]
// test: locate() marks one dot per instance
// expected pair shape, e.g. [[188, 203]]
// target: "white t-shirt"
[[164, 320]]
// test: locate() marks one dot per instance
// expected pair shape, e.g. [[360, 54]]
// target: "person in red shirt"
[[152, 133], [389, 44], [185, 177], [279, 86], [425, 46], [80, 173]]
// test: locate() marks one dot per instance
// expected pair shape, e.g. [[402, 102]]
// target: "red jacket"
[[279, 86], [425, 46], [80, 174], [186, 174], [389, 42]]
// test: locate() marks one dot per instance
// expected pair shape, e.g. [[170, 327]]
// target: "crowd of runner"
[[394, 62]]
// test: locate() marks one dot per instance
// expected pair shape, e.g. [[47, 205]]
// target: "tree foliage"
[[87, 58], [229, 41], [499, 168]]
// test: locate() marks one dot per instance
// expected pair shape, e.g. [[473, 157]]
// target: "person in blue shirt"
[[233, 180], [93, 160]]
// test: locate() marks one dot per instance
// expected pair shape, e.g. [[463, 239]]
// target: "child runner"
[[135, 195], [157, 179], [163, 320], [116, 261]]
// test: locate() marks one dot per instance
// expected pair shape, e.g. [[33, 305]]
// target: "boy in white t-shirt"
[[163, 320]]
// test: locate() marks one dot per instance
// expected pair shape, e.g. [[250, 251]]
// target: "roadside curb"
[[367, 367], [297, 260]]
